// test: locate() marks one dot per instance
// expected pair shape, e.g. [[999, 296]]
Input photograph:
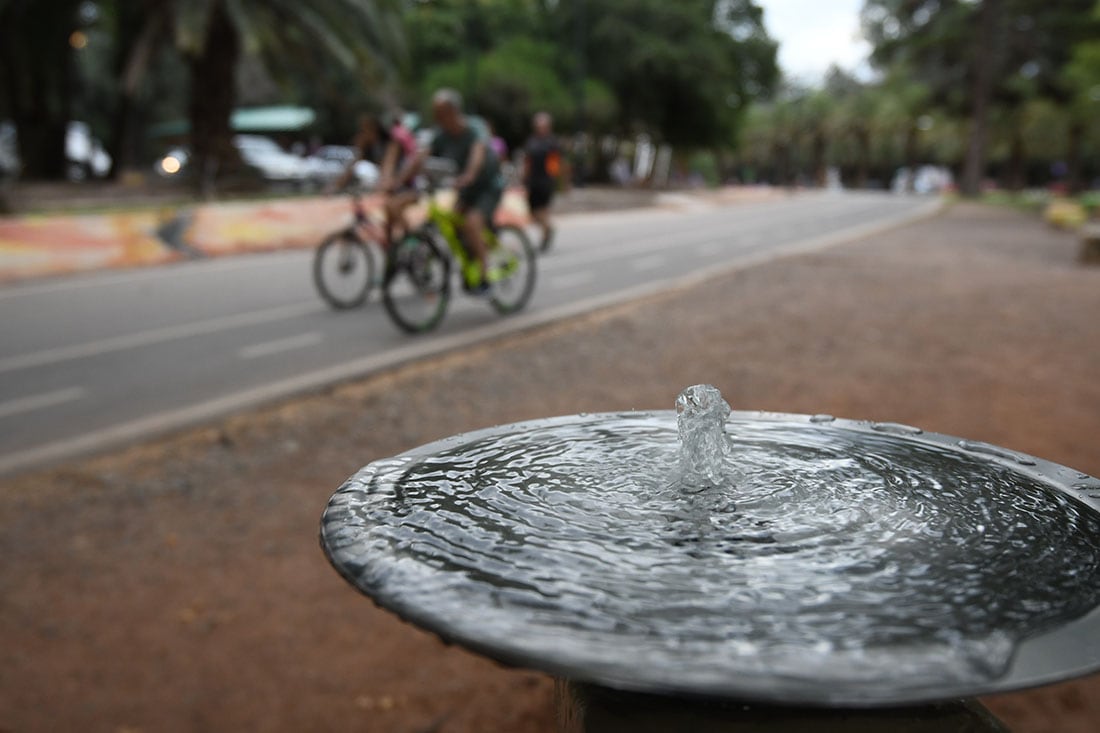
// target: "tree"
[[36, 62], [851, 117], [1081, 77], [972, 54], [213, 34], [652, 54], [518, 78]]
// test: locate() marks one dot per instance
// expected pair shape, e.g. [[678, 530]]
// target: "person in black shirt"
[[542, 169]]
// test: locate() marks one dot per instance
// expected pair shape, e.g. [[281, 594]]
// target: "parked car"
[[336, 160], [258, 152], [273, 163], [928, 179], [278, 166]]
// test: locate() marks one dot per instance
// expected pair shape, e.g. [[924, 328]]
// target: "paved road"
[[93, 361]]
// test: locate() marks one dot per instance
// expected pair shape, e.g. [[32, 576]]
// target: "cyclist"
[[388, 147], [542, 170], [479, 183]]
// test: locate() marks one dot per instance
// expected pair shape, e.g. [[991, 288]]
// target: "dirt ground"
[[178, 585]]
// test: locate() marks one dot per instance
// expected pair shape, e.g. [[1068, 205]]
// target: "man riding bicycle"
[[479, 183]]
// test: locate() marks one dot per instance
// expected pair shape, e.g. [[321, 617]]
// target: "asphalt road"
[[89, 362]]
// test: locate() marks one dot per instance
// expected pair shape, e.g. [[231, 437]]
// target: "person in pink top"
[[390, 147]]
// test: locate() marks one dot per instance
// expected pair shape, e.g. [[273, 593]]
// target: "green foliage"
[[1008, 65], [517, 79], [683, 71]]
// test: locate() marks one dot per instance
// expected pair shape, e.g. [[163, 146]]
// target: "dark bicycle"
[[417, 284], [346, 262]]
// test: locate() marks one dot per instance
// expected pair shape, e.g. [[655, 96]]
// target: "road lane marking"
[[571, 280], [709, 248], [155, 336], [278, 346], [145, 428], [40, 401], [186, 268], [653, 262]]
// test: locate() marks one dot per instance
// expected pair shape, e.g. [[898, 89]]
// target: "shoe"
[[481, 290]]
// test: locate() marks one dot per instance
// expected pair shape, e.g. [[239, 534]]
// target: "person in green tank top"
[[479, 183]]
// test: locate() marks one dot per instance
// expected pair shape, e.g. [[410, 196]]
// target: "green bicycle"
[[416, 289]]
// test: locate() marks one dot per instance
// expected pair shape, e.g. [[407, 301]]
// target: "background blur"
[[158, 92]]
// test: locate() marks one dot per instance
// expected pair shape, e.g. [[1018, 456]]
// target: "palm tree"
[[212, 35]]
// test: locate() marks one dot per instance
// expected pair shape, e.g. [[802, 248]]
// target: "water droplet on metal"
[[973, 446], [822, 418], [895, 428]]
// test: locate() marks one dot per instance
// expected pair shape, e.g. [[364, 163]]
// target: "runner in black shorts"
[[541, 173]]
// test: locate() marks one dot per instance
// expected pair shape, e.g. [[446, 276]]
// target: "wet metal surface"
[[831, 562]]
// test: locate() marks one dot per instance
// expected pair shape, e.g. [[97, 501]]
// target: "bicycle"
[[344, 263], [416, 287]]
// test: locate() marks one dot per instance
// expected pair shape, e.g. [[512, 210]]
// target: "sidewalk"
[[178, 586]]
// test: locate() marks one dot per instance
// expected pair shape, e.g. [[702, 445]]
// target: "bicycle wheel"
[[511, 270], [417, 286], [343, 270]]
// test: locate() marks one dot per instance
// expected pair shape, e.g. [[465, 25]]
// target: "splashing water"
[[701, 421], [863, 561]]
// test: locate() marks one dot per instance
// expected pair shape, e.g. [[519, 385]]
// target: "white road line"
[[183, 268], [571, 280], [653, 262], [278, 346], [155, 335], [709, 248], [40, 401]]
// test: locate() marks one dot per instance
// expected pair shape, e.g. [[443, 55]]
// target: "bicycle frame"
[[448, 224], [364, 227]]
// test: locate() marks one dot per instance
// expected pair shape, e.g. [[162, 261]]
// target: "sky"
[[813, 34]]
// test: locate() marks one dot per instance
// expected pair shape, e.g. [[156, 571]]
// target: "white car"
[[337, 158], [274, 163]]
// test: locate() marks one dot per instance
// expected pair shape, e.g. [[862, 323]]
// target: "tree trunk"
[[138, 33], [985, 62], [1073, 156], [863, 144], [212, 97], [911, 137], [1016, 161], [36, 67], [818, 155]]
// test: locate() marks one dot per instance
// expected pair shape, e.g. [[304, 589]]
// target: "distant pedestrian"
[[542, 172]]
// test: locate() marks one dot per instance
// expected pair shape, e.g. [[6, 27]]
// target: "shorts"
[[539, 195], [485, 199]]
